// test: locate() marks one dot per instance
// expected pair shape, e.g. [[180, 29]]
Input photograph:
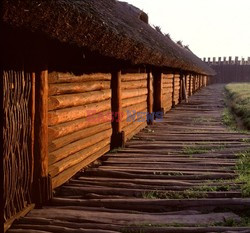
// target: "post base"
[[118, 140], [42, 192]]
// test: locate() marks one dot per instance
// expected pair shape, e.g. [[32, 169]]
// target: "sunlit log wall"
[[79, 122], [134, 103], [167, 100], [176, 89]]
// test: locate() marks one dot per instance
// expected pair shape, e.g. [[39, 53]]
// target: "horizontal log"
[[133, 93], [70, 88], [74, 113], [134, 100], [134, 77], [132, 219], [167, 76], [167, 85], [73, 100], [131, 129], [134, 84], [167, 97], [95, 228], [135, 117], [167, 92], [132, 109], [64, 129], [77, 146], [63, 141], [77, 157], [67, 174], [56, 77]]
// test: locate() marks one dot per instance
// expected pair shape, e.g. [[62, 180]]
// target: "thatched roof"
[[109, 27]]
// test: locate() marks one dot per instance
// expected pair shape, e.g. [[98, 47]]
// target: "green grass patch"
[[186, 194], [228, 119], [201, 149], [243, 170], [239, 98]]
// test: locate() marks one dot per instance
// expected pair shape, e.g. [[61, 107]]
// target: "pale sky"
[[209, 27]]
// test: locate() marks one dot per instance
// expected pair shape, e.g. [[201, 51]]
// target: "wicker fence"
[[17, 156]]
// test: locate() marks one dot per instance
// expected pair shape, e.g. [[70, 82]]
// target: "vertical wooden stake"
[[173, 94], [184, 88], [181, 89], [158, 88], [118, 136], [42, 181], [189, 86], [1, 152], [150, 115]]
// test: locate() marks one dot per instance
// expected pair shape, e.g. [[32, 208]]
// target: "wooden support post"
[[173, 94], [184, 88], [118, 136], [190, 85], [1, 152], [150, 115], [42, 191], [181, 88], [158, 89]]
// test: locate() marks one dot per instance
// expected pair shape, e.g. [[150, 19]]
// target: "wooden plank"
[[57, 77], [73, 100]]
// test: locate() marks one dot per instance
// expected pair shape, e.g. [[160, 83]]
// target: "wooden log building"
[[80, 78]]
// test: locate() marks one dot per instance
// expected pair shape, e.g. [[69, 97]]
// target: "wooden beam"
[[150, 119], [42, 191], [184, 88], [181, 88], [1, 152], [158, 86], [190, 85], [118, 137], [173, 94]]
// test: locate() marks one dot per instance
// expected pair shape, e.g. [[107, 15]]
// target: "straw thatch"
[[111, 28]]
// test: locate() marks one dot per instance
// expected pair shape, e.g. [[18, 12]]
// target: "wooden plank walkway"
[[175, 176]]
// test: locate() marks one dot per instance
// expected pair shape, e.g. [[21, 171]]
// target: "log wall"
[[134, 103], [79, 122], [191, 85], [168, 91], [177, 88]]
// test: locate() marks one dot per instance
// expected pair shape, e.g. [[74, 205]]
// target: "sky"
[[211, 28]]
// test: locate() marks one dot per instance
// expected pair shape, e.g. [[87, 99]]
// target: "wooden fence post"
[[158, 91], [181, 88], [1, 152], [189, 86], [150, 114], [42, 191], [173, 93], [185, 91], [118, 136]]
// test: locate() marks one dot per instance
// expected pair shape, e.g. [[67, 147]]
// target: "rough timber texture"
[[79, 122], [155, 184], [167, 94], [134, 109]]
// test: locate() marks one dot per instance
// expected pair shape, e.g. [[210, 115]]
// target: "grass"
[[186, 194], [239, 97], [202, 120], [243, 170], [228, 119], [244, 222], [201, 149]]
